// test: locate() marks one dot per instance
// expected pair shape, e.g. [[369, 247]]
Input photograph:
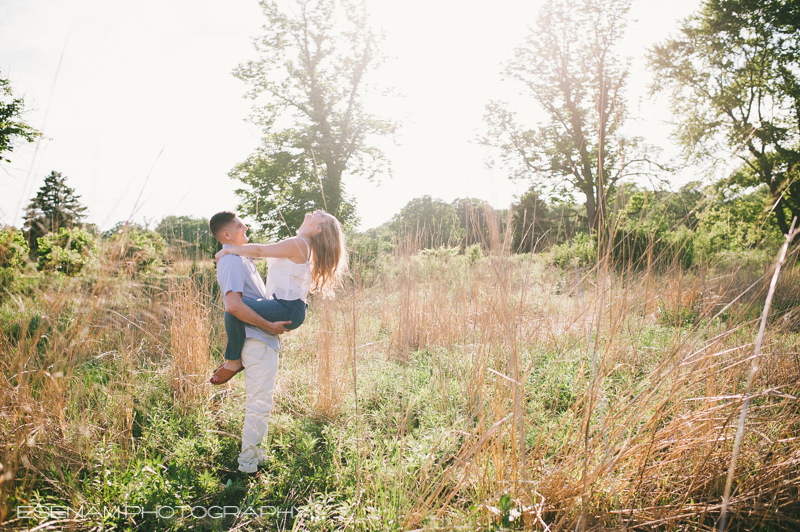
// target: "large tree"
[[570, 67], [12, 127], [732, 73], [315, 58], [55, 206]]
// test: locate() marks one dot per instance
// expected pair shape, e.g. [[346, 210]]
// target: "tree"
[[429, 223], [55, 206], [12, 128], [570, 67], [282, 188], [313, 66], [479, 221], [188, 236], [732, 74], [533, 222]]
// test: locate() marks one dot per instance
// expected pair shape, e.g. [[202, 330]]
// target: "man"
[[237, 278]]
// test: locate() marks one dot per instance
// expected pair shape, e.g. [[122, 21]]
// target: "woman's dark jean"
[[270, 310]]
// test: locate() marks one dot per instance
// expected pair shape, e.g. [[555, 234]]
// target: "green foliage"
[[652, 227], [315, 59], [737, 222], [538, 225], [670, 208], [478, 220], [138, 250], [13, 258], [581, 251], [55, 206], [281, 188], [429, 223], [679, 316], [440, 253], [652, 242], [733, 79], [474, 253], [16, 324], [188, 237], [68, 251], [120, 228], [694, 225], [13, 249], [368, 253], [660, 227], [12, 128]]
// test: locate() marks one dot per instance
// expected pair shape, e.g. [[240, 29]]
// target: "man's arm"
[[235, 305]]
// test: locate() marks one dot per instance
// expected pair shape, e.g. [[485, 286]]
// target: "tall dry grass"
[[77, 354], [595, 398], [189, 342], [649, 435]]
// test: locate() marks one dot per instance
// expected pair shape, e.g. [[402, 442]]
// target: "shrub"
[[737, 223], [368, 253], [474, 253], [634, 241], [582, 250], [442, 252], [68, 251], [138, 250], [13, 257], [13, 249]]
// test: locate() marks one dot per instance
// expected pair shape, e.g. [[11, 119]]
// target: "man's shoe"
[[222, 375], [259, 465]]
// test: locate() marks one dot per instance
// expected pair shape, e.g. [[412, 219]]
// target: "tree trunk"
[[780, 215], [332, 185], [766, 172], [591, 208]]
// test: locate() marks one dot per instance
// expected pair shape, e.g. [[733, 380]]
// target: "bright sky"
[[141, 113]]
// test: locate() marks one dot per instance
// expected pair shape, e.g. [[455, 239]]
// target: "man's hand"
[[277, 327], [235, 305]]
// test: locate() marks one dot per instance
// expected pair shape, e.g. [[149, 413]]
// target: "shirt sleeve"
[[230, 274]]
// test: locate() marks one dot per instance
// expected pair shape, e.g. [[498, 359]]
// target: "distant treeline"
[[692, 225]]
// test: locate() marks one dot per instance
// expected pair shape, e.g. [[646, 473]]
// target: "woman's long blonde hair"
[[329, 258]]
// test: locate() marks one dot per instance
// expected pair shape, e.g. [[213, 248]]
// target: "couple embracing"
[[256, 314]]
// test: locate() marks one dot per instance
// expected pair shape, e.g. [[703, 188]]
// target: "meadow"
[[440, 390]]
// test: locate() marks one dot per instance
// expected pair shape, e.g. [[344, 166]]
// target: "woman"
[[312, 261]]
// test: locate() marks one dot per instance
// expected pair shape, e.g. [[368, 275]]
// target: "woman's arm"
[[287, 249]]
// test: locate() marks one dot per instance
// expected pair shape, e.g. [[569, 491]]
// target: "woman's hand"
[[221, 253]]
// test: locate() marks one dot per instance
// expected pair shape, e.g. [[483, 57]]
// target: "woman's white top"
[[288, 280]]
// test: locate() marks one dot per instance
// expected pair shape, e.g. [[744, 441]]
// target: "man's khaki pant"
[[260, 367]]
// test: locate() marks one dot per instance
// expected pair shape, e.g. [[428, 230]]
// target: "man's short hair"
[[218, 222]]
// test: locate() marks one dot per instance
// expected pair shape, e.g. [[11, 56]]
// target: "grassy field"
[[437, 392]]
